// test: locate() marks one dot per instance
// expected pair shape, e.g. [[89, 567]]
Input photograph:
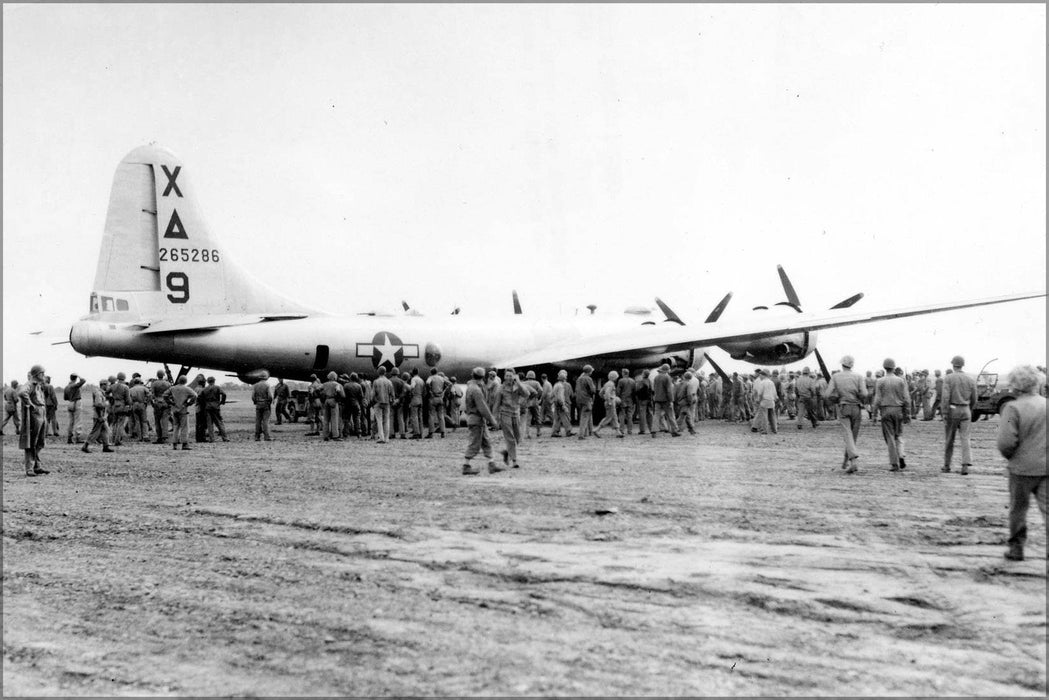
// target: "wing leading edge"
[[671, 337]]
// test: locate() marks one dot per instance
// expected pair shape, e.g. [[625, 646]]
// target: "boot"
[[1015, 553]]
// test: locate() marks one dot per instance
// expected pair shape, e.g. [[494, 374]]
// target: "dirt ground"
[[727, 563]]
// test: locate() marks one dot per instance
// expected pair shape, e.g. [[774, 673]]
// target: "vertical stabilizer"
[[158, 251]]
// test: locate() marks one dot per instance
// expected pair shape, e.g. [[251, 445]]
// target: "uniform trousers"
[[611, 418], [34, 429], [73, 431], [479, 440], [417, 418], [99, 430], [262, 422], [957, 423], [684, 418], [1021, 488], [892, 431], [139, 424], [215, 421], [161, 415], [586, 420], [181, 431], [644, 415], [562, 417], [437, 416], [382, 421], [11, 413], [664, 412], [626, 417], [332, 422], [511, 425], [807, 411], [850, 417]]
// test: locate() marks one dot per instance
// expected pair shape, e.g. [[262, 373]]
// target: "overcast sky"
[[355, 155]]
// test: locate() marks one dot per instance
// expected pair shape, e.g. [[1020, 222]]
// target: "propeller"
[[405, 305], [517, 303], [823, 365], [455, 311], [718, 310], [668, 312], [794, 301], [717, 368]]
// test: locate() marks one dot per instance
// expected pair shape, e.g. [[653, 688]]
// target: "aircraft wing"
[[668, 337], [208, 323]]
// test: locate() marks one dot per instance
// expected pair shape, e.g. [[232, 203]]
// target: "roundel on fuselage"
[[387, 350]]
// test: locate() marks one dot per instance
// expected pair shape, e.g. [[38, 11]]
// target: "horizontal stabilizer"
[[212, 322]]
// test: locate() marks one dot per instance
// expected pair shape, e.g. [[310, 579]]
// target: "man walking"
[[262, 397], [959, 399], [71, 394], [585, 390], [436, 385], [663, 397], [512, 395], [213, 397], [478, 417], [100, 426], [890, 400], [562, 412], [851, 393]]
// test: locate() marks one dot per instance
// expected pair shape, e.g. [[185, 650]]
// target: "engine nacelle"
[[778, 350]]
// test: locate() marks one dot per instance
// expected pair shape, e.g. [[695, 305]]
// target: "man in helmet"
[[262, 397], [478, 417], [890, 401], [959, 399], [849, 391], [33, 414]]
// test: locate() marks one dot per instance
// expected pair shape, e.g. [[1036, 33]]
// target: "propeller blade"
[[718, 310], [823, 365], [517, 303], [717, 368], [792, 296], [848, 302], [455, 311], [668, 312]]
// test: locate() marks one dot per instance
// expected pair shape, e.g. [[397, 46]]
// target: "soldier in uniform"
[[11, 406], [200, 414], [663, 397], [512, 395], [262, 397], [531, 407], [823, 409], [382, 396], [71, 394], [121, 396], [959, 399], [139, 400], [546, 400], [643, 394], [585, 390], [281, 394], [332, 395], [805, 386], [870, 383], [50, 409], [764, 396], [890, 400], [33, 414], [937, 409], [180, 397], [399, 407], [416, 389], [354, 404], [1021, 440], [161, 409], [683, 403], [475, 403], [562, 398], [316, 406], [213, 398], [452, 397], [851, 393], [100, 426], [436, 385], [611, 399], [625, 389]]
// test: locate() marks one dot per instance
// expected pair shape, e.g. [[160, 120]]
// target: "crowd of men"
[[404, 405]]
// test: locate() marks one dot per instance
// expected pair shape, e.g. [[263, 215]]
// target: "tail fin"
[[158, 258]]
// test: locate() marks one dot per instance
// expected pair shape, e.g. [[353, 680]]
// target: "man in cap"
[[139, 400], [436, 385], [611, 400], [1021, 440], [643, 395], [180, 397], [332, 394], [625, 390], [262, 397], [511, 396], [71, 394], [453, 397], [890, 401], [764, 394], [663, 397], [121, 397], [33, 415], [281, 394], [562, 410], [355, 405], [959, 399], [51, 427], [161, 409], [850, 392], [416, 391], [200, 414], [478, 417], [531, 408], [546, 400], [805, 388], [100, 426], [585, 390], [11, 406], [383, 398], [213, 398]]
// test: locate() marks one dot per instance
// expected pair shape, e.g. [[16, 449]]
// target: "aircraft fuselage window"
[[107, 303], [321, 360], [94, 304], [122, 305]]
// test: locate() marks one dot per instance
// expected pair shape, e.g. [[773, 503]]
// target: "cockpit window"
[[122, 305], [94, 304], [107, 303]]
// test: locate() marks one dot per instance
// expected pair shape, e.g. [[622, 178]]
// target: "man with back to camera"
[[585, 390], [161, 409], [1021, 440], [213, 398], [663, 398], [959, 399], [890, 401], [71, 394], [262, 397], [850, 391], [180, 397], [478, 418]]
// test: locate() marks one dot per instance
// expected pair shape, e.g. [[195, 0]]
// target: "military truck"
[[989, 397]]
